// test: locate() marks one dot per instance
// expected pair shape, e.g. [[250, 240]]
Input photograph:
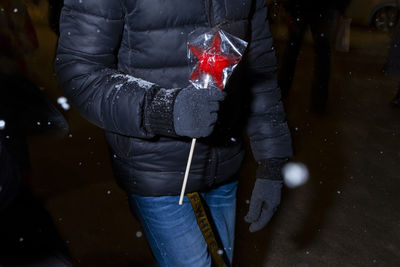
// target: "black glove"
[[196, 111], [187, 112], [266, 195]]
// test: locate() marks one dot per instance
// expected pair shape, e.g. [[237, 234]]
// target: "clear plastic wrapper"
[[213, 56]]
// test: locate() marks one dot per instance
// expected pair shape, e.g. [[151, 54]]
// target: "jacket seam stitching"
[[72, 9]]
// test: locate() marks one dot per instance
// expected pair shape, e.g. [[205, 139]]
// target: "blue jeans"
[[172, 230]]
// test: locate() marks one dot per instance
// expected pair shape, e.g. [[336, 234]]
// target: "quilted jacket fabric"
[[113, 56]]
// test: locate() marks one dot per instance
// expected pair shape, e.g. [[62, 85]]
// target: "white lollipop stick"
[[189, 162]]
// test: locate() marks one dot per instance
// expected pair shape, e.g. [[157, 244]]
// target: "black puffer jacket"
[[115, 57]]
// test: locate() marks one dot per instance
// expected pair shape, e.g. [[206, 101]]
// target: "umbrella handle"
[[189, 162]]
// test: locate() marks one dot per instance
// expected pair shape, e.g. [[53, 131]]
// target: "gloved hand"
[[195, 111], [266, 195]]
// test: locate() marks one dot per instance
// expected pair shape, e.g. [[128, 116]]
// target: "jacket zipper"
[[208, 6], [209, 14]]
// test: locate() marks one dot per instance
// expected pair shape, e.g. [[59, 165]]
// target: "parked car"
[[380, 14]]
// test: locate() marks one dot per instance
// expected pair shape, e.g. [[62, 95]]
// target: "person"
[[320, 16], [123, 65], [17, 40], [24, 108], [28, 234], [392, 65]]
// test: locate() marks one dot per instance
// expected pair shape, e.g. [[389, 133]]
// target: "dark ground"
[[346, 215]]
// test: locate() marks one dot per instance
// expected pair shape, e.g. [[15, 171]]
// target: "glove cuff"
[[271, 169], [159, 110]]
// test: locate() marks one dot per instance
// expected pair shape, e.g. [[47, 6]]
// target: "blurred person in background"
[[320, 17], [392, 66], [17, 40], [24, 108], [28, 236]]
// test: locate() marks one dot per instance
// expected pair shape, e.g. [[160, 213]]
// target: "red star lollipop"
[[216, 60], [212, 62]]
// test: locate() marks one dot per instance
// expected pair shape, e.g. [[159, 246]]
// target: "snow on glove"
[[196, 111], [266, 195]]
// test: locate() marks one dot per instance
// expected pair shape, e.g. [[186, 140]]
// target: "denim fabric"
[[172, 230]]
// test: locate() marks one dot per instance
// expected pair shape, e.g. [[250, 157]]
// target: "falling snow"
[[2, 124], [295, 174], [63, 102]]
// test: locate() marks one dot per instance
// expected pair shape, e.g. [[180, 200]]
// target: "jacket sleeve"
[[85, 64], [267, 128]]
